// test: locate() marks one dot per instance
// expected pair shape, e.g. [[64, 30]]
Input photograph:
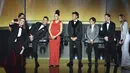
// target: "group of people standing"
[[21, 35]]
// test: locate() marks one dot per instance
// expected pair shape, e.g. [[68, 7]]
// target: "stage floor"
[[30, 67]]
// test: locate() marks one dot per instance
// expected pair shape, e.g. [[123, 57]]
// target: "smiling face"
[[22, 22]]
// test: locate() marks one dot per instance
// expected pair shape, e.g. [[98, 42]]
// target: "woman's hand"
[[53, 37], [121, 42]]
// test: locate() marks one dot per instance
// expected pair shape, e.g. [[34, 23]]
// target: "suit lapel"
[[109, 26], [94, 28], [106, 26], [39, 25], [77, 23]]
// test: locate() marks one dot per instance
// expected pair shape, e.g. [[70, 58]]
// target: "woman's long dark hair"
[[123, 20], [26, 27], [123, 17]]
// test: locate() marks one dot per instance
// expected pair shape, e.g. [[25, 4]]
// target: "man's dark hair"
[[20, 14], [46, 18], [107, 14], [76, 13], [93, 18]]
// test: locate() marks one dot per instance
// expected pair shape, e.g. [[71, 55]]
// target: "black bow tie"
[[107, 22]]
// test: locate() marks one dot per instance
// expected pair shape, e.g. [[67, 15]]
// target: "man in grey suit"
[[92, 39]]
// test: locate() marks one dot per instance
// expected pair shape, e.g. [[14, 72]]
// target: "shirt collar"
[[92, 25], [108, 22], [75, 20]]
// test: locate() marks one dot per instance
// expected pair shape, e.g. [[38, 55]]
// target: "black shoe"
[[115, 70], [89, 64], [70, 64], [89, 69], [107, 70], [51, 65], [96, 69], [105, 64], [96, 65], [117, 65], [80, 64], [56, 65], [37, 65]]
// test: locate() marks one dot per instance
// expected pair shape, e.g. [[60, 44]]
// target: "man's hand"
[[91, 41], [106, 38], [73, 38], [12, 22], [31, 38], [10, 29]]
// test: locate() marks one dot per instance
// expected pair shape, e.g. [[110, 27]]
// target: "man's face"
[[22, 17], [22, 22], [45, 21], [91, 22], [107, 18], [74, 16]]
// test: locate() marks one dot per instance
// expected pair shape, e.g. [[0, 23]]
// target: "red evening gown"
[[54, 44]]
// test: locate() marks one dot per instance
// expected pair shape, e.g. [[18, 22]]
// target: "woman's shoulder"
[[125, 22], [52, 21]]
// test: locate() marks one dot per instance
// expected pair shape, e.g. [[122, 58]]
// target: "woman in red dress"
[[55, 30]]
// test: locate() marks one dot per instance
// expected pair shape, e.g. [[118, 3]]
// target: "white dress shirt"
[[75, 21], [92, 27], [108, 23], [41, 27], [19, 34]]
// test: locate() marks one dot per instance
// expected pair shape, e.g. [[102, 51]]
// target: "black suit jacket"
[[25, 38], [78, 30], [110, 32], [13, 35], [38, 34]]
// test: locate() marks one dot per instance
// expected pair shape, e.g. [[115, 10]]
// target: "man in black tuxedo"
[[108, 32], [38, 31], [75, 37]]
